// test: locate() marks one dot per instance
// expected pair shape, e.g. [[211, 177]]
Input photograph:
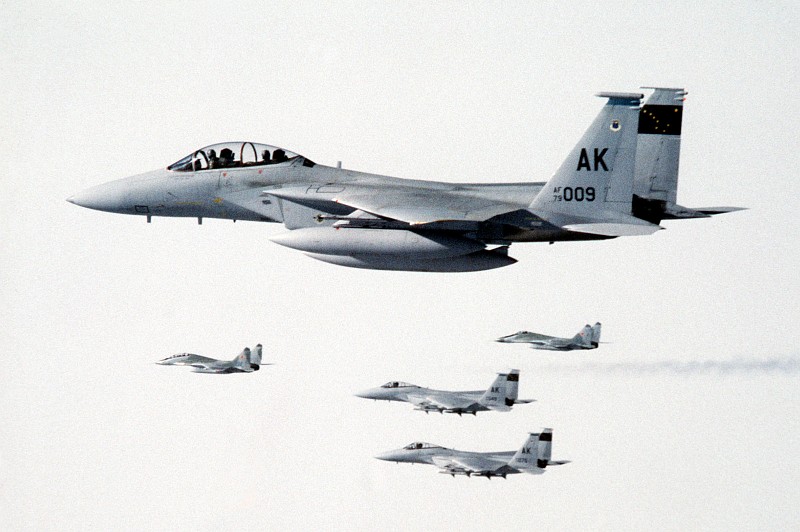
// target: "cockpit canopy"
[[422, 445], [235, 155], [397, 384]]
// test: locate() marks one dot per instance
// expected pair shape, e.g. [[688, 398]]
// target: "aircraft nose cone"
[[109, 197], [364, 394], [389, 456]]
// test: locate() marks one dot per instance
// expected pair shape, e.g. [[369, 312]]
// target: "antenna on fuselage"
[[338, 164]]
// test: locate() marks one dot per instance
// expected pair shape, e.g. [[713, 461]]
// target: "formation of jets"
[[499, 397], [620, 179], [246, 362], [587, 338]]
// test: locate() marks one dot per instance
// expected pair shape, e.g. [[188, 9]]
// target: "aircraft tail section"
[[255, 357], [595, 182], [242, 362], [596, 334], [584, 337], [512, 387], [658, 147], [496, 394], [658, 151], [528, 455], [546, 450], [546, 445]]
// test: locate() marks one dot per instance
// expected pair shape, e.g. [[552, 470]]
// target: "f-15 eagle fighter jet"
[[532, 458], [620, 179], [246, 362], [500, 396], [587, 338]]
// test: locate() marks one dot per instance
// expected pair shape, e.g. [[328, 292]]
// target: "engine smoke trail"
[[786, 365]]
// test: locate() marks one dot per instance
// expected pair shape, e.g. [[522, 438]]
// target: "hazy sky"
[[688, 419]]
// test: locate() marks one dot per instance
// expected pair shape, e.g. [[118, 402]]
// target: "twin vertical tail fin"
[[504, 392], [545, 447], [592, 191], [658, 151], [495, 396], [584, 337], [242, 362], [255, 357], [596, 334], [528, 455], [512, 387], [535, 453], [546, 450]]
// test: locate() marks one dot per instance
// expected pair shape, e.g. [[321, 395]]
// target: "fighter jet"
[[500, 396], [587, 338], [532, 458], [604, 189], [247, 362]]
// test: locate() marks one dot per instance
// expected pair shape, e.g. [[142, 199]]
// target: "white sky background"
[[94, 436]]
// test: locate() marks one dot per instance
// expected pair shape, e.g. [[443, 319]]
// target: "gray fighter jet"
[[587, 338], [604, 189], [532, 458], [247, 362], [500, 396]]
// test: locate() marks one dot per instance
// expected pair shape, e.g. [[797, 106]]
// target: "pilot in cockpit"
[[265, 157], [213, 160], [279, 156], [226, 157]]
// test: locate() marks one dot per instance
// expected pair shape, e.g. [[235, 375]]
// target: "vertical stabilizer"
[[255, 357], [496, 394], [242, 362], [512, 387], [596, 334], [545, 447], [597, 176], [528, 455], [584, 337], [658, 151]]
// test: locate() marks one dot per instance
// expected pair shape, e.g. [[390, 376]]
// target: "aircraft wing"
[[204, 369], [535, 337], [419, 206], [438, 402], [467, 464], [540, 342], [197, 361], [412, 205]]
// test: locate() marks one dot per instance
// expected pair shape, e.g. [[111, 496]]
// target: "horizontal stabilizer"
[[719, 210], [679, 212], [634, 97], [614, 229]]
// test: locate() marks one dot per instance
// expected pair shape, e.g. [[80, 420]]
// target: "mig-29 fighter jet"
[[587, 338], [532, 458], [500, 396], [247, 362], [604, 189]]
